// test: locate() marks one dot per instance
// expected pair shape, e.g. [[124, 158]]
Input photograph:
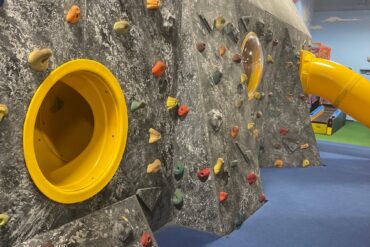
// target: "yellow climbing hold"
[[153, 4], [243, 78], [257, 96], [3, 111], [3, 219], [270, 60], [121, 27], [39, 59], [154, 136], [218, 166], [305, 163], [219, 22], [172, 103], [278, 163], [154, 167], [251, 126]]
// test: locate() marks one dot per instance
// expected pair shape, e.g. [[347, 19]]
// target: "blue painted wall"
[[349, 40]]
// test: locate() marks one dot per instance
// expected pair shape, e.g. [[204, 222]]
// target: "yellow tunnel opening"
[[253, 61], [75, 131]]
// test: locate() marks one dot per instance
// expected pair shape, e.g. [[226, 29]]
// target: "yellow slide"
[[344, 88]]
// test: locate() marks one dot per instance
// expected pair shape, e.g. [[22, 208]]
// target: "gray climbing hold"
[[234, 163], [216, 77], [149, 196], [231, 31], [215, 119], [136, 105], [260, 28]]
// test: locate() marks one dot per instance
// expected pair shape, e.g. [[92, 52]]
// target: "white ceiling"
[[340, 5]]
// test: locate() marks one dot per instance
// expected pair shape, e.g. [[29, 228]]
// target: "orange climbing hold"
[[222, 51], [251, 178], [73, 15], [159, 68], [278, 163], [146, 240], [183, 111], [153, 4], [234, 132], [223, 197]]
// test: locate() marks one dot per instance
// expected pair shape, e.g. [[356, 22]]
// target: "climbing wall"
[[209, 175]]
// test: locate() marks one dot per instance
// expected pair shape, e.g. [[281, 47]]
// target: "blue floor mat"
[[321, 206]]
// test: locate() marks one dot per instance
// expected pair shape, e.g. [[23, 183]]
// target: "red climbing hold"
[[283, 131], [251, 178], [234, 132], [146, 240], [204, 174], [261, 197], [237, 58], [183, 110], [159, 68], [223, 197]]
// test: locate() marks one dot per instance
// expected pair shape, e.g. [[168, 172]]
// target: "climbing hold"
[[215, 119], [270, 59], [240, 88], [3, 219], [289, 65], [238, 103], [47, 244], [259, 114], [255, 133], [243, 79], [3, 111], [250, 126], [271, 94], [305, 163], [305, 146], [237, 58], [178, 171], [234, 163], [251, 178], [73, 15], [258, 95], [260, 28], [222, 197], [216, 77], [218, 166], [154, 136], [146, 240], [275, 42], [154, 167], [121, 27], [159, 69], [136, 105], [183, 111], [201, 46], [278, 163], [222, 51], [178, 199], [283, 131], [234, 132], [153, 4], [39, 59], [171, 102], [261, 197], [231, 31], [149, 196], [203, 174], [303, 97], [219, 23]]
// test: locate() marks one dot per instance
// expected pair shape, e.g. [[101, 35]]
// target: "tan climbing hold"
[[39, 59], [278, 163], [289, 65], [305, 146], [73, 15], [305, 163], [154, 136], [255, 132], [3, 111], [238, 103], [153, 4], [219, 23], [121, 27], [250, 126], [154, 167], [270, 59], [258, 96], [4, 218], [222, 51], [218, 166], [243, 78]]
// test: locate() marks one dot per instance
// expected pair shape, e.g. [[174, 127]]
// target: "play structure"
[[120, 117]]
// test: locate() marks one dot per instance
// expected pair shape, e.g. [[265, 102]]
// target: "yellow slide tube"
[[344, 88]]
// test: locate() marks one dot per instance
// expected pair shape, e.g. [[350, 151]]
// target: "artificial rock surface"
[[169, 34]]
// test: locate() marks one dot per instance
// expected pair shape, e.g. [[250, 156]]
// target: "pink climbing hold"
[[261, 197], [146, 240], [283, 131], [251, 178]]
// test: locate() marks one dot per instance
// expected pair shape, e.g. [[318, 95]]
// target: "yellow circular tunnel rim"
[[105, 165]]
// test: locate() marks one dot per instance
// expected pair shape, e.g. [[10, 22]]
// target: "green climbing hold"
[[216, 77], [136, 105], [178, 171], [178, 199]]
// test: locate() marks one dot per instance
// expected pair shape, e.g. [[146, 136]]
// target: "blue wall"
[[349, 40]]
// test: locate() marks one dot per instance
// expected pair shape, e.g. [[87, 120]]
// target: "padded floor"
[[323, 206]]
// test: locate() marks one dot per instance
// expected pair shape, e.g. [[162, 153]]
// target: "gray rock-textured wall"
[[168, 34]]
